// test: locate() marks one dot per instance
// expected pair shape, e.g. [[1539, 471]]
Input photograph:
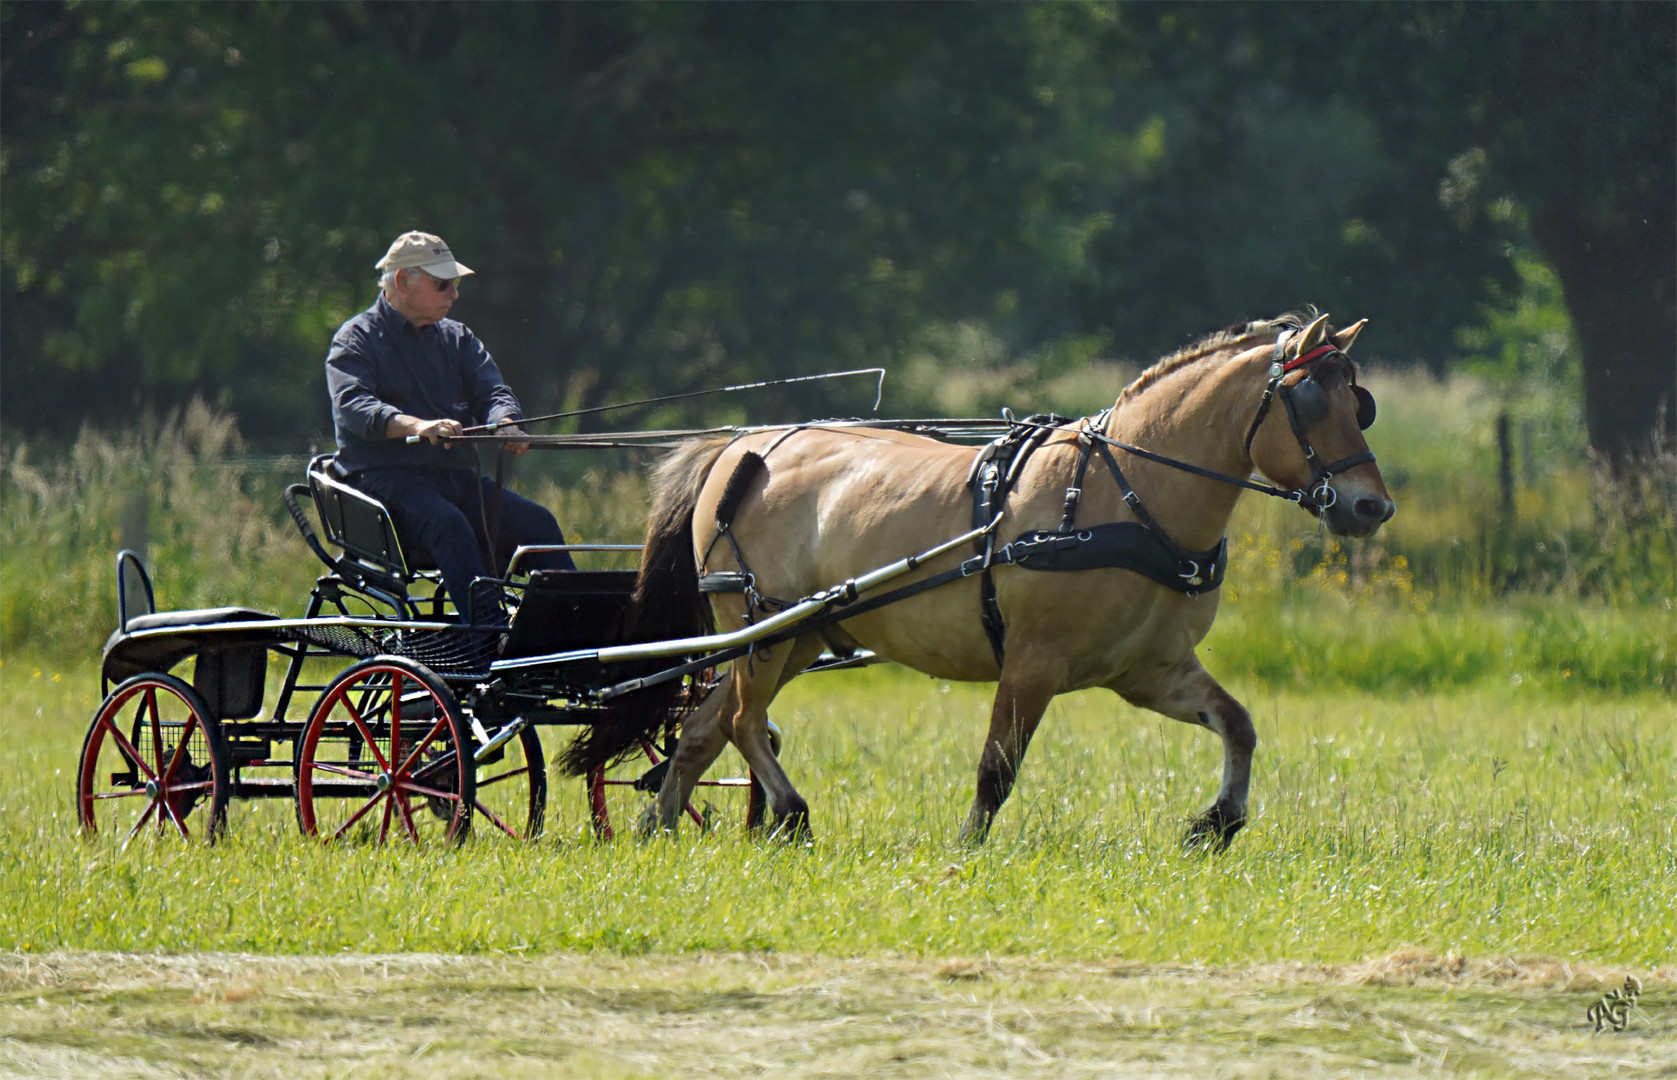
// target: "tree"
[[1569, 111], [659, 195]]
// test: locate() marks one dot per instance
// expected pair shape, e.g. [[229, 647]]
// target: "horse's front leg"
[[1021, 696], [1188, 693]]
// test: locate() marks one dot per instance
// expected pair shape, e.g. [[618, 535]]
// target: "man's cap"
[[427, 252]]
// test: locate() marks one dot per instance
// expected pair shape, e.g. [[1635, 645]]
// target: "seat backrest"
[[355, 521], [571, 609], [134, 596]]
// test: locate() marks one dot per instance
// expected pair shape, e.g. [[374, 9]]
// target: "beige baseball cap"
[[427, 252]]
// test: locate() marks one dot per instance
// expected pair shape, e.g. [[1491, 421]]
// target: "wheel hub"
[[153, 789], [384, 781]]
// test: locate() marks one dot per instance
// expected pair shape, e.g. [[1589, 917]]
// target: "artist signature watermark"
[[1614, 1008]]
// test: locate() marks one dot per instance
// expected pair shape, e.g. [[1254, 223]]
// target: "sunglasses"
[[442, 284]]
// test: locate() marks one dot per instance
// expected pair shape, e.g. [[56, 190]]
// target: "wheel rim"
[[152, 763], [380, 759]]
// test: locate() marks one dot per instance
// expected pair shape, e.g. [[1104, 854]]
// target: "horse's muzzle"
[[1358, 516]]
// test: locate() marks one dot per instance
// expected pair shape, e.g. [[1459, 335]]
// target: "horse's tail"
[[667, 604]]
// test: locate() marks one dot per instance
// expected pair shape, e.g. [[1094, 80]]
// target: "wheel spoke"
[[401, 801], [492, 816], [357, 816], [140, 824], [169, 806], [419, 747], [366, 732], [156, 728], [409, 786], [128, 750], [180, 753], [384, 825], [509, 775], [340, 770], [129, 794], [395, 723]]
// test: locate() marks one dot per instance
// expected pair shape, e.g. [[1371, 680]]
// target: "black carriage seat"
[[229, 668], [570, 609], [360, 526]]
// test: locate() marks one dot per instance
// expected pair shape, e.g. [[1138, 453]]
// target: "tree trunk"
[[1619, 275]]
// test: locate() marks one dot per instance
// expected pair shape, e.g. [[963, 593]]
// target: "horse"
[[783, 513]]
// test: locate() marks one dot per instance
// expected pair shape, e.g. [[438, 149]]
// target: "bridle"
[[1306, 405], [1318, 495]]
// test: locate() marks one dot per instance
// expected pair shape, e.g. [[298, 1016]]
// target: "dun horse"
[[1137, 539]]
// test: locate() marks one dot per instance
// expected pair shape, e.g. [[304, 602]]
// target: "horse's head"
[[1307, 433]]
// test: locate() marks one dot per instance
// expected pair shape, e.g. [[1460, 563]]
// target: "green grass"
[[1502, 821]]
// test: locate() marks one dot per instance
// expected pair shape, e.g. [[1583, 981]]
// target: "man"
[[403, 368]]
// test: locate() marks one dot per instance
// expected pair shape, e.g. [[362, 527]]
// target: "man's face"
[[423, 298]]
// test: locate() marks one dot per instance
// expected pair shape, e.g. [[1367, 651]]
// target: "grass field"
[[1464, 829], [1433, 882]]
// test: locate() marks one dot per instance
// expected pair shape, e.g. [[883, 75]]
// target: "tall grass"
[[1574, 588]]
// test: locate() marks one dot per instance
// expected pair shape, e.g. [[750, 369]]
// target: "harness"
[[1140, 545]]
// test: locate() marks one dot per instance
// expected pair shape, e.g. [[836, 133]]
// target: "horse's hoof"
[[1213, 830], [793, 829]]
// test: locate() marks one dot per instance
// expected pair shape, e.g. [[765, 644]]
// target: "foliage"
[[666, 196]]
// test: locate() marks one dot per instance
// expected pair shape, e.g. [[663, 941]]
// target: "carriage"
[[416, 735], [433, 726]]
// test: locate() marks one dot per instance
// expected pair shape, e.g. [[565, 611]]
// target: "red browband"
[[1300, 361]]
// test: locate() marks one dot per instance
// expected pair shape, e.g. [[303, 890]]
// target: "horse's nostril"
[[1372, 509]]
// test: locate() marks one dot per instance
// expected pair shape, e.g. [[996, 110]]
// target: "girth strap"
[[994, 472]]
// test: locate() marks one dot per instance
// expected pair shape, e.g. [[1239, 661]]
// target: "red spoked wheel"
[[511, 793], [385, 754], [153, 760]]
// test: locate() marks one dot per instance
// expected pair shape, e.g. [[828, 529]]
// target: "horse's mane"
[[1233, 335]]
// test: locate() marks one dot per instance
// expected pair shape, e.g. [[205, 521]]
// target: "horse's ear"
[[1312, 336], [1342, 340]]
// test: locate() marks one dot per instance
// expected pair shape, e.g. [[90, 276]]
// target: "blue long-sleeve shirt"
[[380, 365]]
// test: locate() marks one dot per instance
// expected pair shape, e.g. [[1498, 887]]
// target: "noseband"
[[1320, 494]]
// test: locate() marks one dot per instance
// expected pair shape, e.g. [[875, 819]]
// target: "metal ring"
[[1324, 501]]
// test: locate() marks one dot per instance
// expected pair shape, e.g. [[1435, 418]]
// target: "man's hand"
[[519, 448], [432, 431]]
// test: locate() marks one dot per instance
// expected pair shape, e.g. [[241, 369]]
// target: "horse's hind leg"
[[703, 738], [756, 681], [1021, 696], [1188, 693]]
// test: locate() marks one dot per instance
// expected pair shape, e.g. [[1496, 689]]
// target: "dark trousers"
[[441, 517]]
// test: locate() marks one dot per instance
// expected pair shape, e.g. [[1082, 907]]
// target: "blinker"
[[1365, 407], [1309, 404]]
